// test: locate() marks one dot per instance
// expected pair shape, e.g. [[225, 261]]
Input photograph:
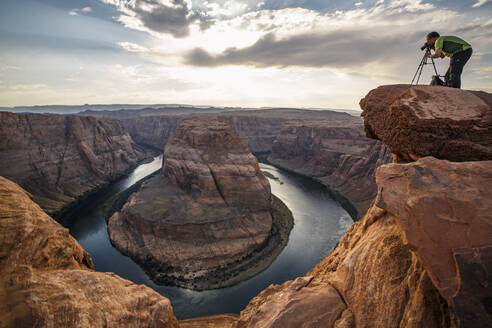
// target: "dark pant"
[[456, 64]]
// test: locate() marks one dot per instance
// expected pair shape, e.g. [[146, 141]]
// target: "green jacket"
[[451, 45]]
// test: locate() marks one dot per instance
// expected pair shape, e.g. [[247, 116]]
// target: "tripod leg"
[[434, 64], [420, 73], [419, 70]]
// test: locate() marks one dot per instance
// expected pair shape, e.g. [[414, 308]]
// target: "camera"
[[425, 46]]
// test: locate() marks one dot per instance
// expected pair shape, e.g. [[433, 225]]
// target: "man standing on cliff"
[[459, 52]]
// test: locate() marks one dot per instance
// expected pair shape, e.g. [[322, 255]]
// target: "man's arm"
[[437, 54]]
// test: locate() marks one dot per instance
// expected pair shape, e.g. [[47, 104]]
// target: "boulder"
[[419, 121]]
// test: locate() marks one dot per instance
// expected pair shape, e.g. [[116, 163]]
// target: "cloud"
[[335, 49], [480, 3], [301, 37], [167, 16], [77, 11], [132, 47]]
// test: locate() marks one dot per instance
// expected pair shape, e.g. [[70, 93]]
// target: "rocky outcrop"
[[418, 121], [421, 256], [216, 321], [46, 278], [206, 220], [424, 245], [456, 246], [337, 154], [59, 159]]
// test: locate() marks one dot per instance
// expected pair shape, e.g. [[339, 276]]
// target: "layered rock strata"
[[328, 146], [206, 219], [418, 121], [336, 154], [46, 278], [325, 145], [258, 128], [420, 257], [59, 159]]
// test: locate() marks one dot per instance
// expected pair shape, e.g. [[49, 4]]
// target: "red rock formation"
[[385, 267], [216, 321], [46, 278], [418, 121], [210, 208], [207, 158], [59, 158], [257, 128], [422, 255], [445, 212], [337, 154], [324, 145]]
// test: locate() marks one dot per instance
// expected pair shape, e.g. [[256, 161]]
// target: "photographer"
[[459, 52]]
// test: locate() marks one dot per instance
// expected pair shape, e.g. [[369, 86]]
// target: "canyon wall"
[[328, 146], [422, 254], [257, 128], [335, 153], [46, 278], [59, 159]]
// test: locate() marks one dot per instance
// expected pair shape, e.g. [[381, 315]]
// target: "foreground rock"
[[424, 245], [336, 153], [418, 121], [456, 246], [46, 278], [206, 221], [59, 159], [421, 256]]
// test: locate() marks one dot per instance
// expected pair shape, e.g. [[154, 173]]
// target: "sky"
[[248, 53]]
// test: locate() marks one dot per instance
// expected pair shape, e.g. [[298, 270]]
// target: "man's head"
[[431, 38]]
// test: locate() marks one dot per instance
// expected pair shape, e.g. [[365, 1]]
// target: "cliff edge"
[[419, 121], [59, 159], [422, 254], [46, 278]]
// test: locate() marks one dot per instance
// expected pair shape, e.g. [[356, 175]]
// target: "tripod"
[[423, 62]]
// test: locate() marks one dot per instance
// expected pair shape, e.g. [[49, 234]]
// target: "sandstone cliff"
[[337, 154], [209, 210], [422, 254], [46, 278], [328, 146], [418, 121], [257, 128], [59, 158]]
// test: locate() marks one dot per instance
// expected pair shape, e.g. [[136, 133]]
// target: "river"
[[320, 222]]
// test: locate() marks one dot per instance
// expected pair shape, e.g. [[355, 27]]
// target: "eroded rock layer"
[[403, 263], [421, 256], [335, 153], [59, 158], [46, 278], [418, 121], [326, 145], [210, 208]]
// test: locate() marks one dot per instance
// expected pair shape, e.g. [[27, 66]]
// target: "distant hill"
[[149, 108]]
